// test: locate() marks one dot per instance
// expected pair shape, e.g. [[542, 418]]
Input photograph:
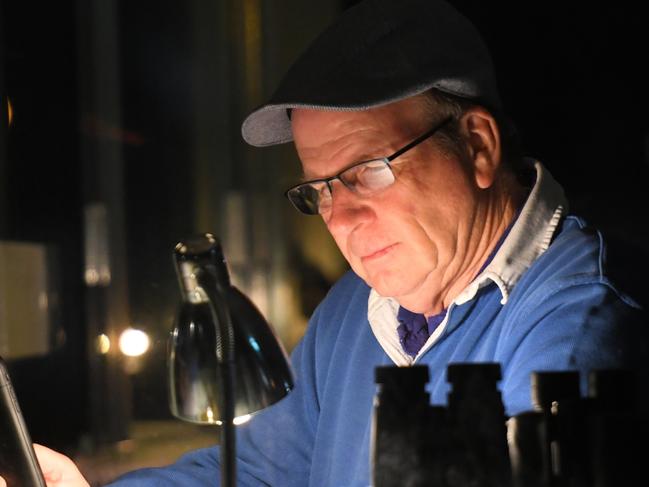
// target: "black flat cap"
[[378, 52]]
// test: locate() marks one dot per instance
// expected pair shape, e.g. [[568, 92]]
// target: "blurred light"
[[237, 421], [10, 111], [126, 446], [133, 343], [60, 337], [43, 301], [92, 277], [254, 344], [242, 419], [96, 246], [102, 344]]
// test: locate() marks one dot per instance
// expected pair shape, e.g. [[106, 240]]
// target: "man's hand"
[[58, 470]]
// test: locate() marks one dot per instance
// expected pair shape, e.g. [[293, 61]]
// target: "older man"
[[460, 249]]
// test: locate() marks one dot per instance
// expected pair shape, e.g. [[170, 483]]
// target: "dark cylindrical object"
[[612, 390], [550, 387], [436, 447], [399, 427], [527, 440], [476, 419], [618, 449], [557, 395], [617, 432]]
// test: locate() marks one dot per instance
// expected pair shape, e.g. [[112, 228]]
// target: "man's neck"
[[497, 218]]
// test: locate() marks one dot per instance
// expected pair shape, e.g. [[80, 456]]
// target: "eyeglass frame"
[[386, 160]]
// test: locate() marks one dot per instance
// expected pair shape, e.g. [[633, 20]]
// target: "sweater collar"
[[528, 238]]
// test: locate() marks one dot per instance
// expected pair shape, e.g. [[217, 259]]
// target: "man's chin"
[[391, 289]]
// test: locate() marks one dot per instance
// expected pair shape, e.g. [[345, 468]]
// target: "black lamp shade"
[[219, 335]]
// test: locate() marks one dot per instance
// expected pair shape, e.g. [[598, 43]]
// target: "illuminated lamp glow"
[[133, 342], [236, 421]]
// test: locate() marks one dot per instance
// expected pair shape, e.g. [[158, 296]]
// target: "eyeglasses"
[[363, 178]]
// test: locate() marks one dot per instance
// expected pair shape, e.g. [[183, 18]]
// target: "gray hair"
[[440, 105]]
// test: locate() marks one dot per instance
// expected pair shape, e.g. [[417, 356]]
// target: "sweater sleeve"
[[579, 324], [273, 449]]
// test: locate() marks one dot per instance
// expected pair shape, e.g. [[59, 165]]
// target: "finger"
[[52, 463], [58, 469], [2, 482]]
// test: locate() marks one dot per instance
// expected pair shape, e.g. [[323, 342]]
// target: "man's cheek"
[[342, 243]]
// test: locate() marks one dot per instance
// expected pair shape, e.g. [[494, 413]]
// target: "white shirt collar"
[[529, 237]]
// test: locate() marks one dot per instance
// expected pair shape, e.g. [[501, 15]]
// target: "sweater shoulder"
[[577, 257]]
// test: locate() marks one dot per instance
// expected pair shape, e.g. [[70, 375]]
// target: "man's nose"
[[348, 209]]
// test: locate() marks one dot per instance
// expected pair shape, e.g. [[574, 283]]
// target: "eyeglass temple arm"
[[418, 140]]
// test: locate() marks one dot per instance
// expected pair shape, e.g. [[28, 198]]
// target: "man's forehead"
[[403, 115], [327, 144], [329, 141], [320, 133], [316, 125]]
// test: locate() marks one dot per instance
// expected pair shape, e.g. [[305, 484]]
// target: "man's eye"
[[373, 176]]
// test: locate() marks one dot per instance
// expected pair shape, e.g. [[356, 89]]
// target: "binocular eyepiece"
[[564, 440]]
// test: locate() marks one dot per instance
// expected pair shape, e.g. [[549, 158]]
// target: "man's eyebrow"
[[303, 177]]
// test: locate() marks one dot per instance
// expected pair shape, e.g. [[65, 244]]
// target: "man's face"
[[409, 240]]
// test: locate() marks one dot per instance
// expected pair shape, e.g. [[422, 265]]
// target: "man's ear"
[[482, 136]]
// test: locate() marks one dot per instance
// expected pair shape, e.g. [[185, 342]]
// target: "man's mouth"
[[375, 254]]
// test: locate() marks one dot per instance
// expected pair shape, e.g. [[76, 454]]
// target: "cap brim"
[[376, 53]]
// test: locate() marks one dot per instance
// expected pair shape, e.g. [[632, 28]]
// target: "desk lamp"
[[225, 361]]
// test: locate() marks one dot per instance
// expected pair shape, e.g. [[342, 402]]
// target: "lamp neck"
[[201, 268]]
